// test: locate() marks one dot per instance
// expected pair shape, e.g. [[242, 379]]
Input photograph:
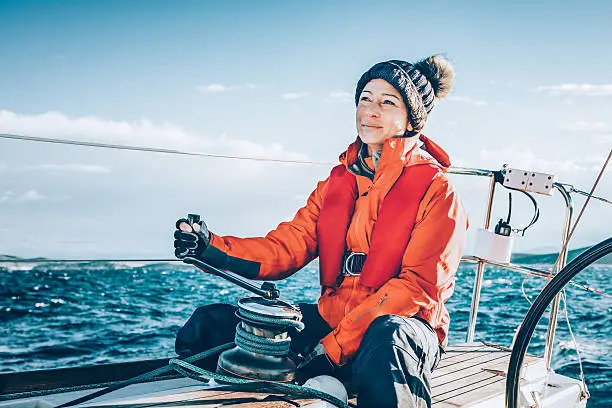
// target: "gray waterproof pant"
[[392, 367]]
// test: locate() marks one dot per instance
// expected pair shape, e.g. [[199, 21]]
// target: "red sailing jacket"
[[419, 285]]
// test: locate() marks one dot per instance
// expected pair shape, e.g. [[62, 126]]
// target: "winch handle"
[[267, 290]]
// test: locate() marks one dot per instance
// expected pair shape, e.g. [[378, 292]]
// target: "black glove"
[[316, 363], [192, 242]]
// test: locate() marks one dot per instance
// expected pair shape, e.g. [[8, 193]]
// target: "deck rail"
[[561, 261]]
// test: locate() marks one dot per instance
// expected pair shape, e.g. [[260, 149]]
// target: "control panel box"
[[541, 183]]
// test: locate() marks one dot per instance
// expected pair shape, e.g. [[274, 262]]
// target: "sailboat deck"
[[471, 373], [466, 375]]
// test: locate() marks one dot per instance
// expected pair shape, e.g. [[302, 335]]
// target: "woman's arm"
[[280, 253], [426, 278]]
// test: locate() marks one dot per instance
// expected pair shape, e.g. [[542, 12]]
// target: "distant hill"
[[517, 258], [16, 258], [552, 257]]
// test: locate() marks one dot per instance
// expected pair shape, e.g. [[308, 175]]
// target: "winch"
[[262, 335], [262, 342]]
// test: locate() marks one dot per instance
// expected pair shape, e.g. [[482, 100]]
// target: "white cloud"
[[30, 195], [340, 97], [508, 84], [212, 88], [584, 126], [294, 95], [462, 99], [6, 196], [79, 168], [224, 88], [578, 89]]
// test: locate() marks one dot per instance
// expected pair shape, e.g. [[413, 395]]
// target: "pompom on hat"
[[420, 85]]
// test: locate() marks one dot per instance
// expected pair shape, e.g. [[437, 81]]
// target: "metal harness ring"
[[351, 261]]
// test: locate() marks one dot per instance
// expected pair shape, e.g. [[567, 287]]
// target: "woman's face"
[[381, 114]]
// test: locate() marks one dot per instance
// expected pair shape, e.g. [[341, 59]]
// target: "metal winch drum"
[[262, 341]]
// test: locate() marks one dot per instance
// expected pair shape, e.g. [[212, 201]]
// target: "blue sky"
[[276, 79]]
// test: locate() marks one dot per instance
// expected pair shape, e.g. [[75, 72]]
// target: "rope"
[[155, 150], [292, 388], [261, 345], [183, 367], [150, 376], [275, 321], [569, 326]]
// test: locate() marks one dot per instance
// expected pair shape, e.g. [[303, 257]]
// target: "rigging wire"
[[154, 149], [573, 189], [589, 196], [576, 347], [523, 290]]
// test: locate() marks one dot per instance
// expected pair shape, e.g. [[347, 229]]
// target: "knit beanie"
[[420, 85]]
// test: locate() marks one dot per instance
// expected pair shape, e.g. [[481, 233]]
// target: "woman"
[[389, 231]]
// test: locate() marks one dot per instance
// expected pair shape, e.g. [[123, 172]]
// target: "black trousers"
[[392, 367]]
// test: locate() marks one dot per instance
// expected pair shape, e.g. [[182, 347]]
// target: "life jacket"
[[393, 226]]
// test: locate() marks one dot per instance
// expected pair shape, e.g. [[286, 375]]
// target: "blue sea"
[[66, 315]]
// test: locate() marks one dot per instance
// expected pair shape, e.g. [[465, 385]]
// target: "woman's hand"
[[190, 239]]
